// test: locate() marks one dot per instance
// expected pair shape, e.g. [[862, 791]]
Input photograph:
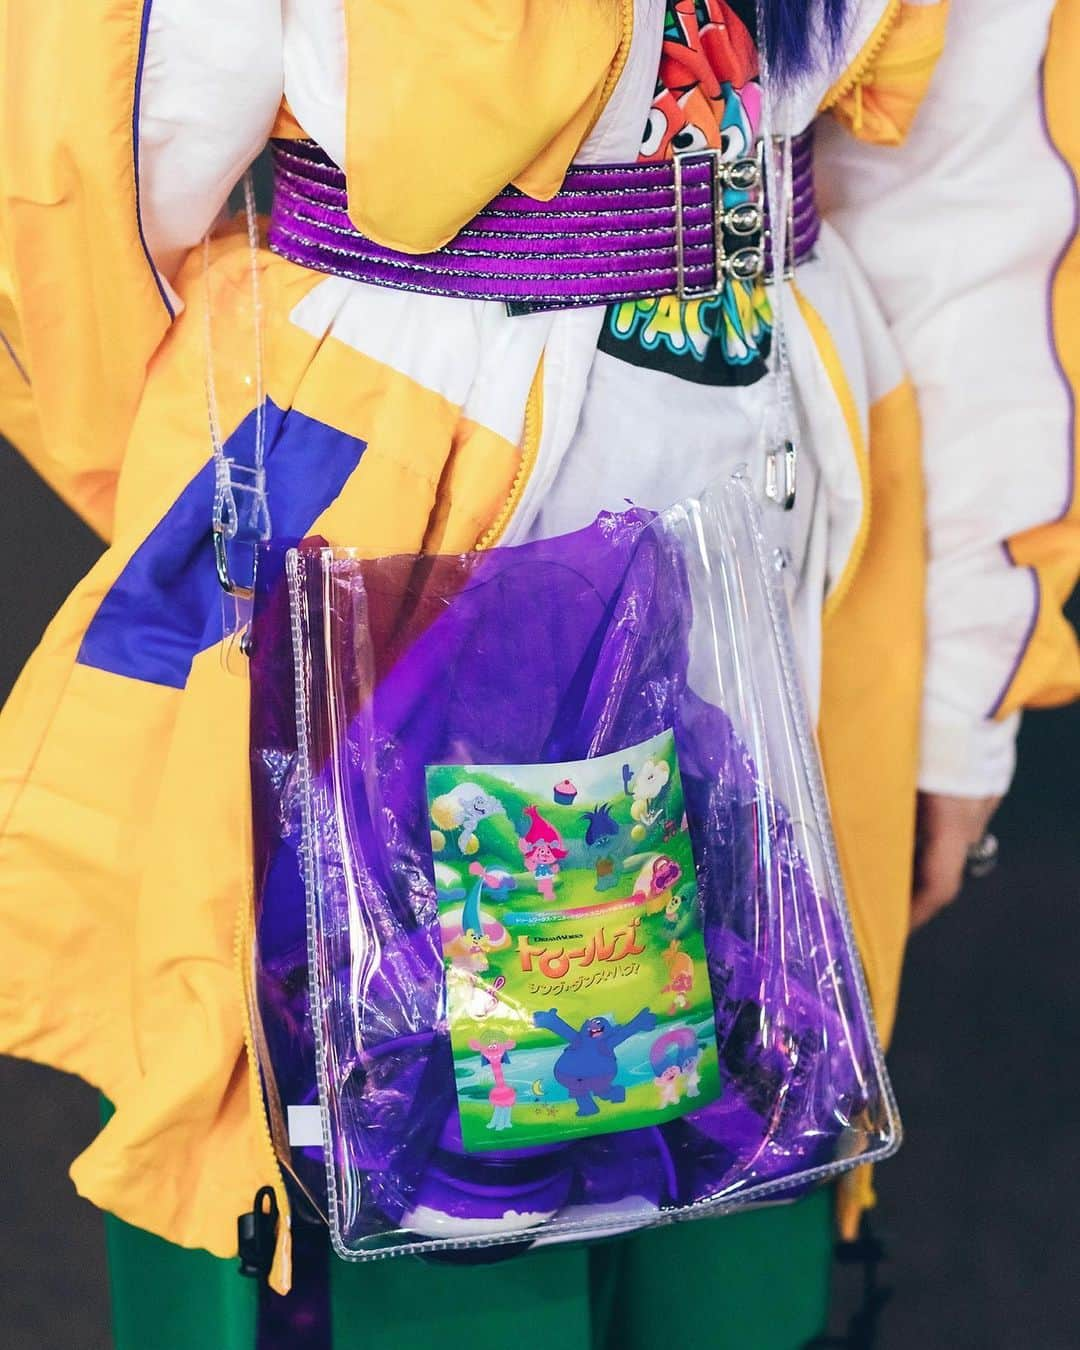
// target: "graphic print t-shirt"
[[708, 96]]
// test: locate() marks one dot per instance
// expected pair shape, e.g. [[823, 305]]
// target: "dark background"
[[978, 1210]]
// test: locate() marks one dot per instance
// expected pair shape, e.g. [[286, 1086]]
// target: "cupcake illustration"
[[565, 793]]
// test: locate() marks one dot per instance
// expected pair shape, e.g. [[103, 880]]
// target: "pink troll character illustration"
[[543, 851], [502, 1096]]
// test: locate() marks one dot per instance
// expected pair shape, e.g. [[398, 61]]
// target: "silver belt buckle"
[[744, 220]]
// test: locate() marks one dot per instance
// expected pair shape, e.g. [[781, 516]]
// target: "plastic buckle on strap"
[[780, 475], [742, 220], [229, 526]]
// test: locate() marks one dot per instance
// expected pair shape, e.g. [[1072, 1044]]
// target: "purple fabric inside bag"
[[552, 651]]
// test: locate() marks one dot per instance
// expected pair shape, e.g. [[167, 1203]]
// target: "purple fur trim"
[[790, 29]]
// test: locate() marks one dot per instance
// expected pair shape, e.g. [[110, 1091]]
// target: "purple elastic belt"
[[613, 232]]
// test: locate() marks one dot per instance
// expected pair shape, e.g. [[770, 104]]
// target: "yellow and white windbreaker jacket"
[[945, 288]]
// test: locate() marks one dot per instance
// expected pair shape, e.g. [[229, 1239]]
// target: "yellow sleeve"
[[81, 307], [982, 304], [1047, 672]]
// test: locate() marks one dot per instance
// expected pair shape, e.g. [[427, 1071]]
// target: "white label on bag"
[[305, 1126]]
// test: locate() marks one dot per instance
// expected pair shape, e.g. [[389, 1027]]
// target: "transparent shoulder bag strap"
[[780, 430], [241, 508]]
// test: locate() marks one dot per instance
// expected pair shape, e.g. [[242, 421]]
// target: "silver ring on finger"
[[982, 857]]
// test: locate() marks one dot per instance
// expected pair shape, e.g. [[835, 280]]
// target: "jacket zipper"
[[282, 1265], [614, 74], [856, 73], [853, 564], [530, 449]]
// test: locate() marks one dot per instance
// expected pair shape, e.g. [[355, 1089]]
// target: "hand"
[[945, 828]]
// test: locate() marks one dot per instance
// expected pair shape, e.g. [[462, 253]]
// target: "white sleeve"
[[960, 231], [210, 85]]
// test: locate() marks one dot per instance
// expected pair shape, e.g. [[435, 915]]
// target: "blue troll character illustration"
[[601, 825], [587, 1067], [600, 833]]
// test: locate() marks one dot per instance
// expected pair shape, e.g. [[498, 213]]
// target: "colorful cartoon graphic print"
[[578, 993], [708, 96]]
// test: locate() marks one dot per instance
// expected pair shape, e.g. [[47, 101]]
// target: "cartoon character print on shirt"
[[708, 96]]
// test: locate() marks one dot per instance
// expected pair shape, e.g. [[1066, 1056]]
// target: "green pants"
[[755, 1281]]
